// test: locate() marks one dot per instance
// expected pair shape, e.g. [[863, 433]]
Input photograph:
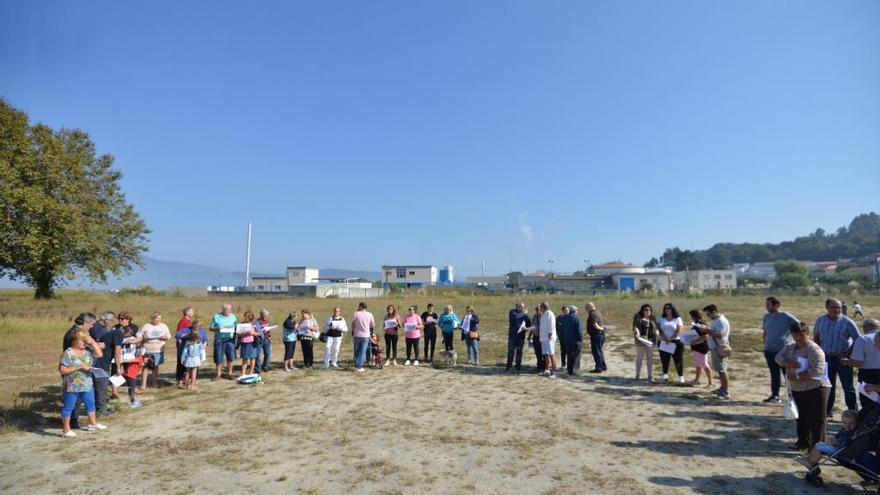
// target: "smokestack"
[[247, 264]]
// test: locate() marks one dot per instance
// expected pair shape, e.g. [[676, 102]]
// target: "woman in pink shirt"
[[248, 344], [391, 324], [412, 328]]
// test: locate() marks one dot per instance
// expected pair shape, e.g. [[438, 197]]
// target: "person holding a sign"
[[391, 324], [247, 335], [518, 321], [307, 332], [429, 326], [807, 373], [645, 335], [448, 322], [223, 326], [334, 329], [412, 331], [671, 326], [470, 335], [153, 335], [264, 341]]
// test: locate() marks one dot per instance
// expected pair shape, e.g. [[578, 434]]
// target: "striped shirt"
[[837, 335]]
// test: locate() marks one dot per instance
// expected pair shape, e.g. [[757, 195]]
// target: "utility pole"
[[247, 264]]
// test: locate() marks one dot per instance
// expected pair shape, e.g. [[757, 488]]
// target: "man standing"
[[547, 331], [776, 326], [596, 330], [835, 334], [362, 325], [866, 357], [857, 310], [185, 322], [518, 320], [223, 326], [573, 337], [719, 347], [111, 340], [563, 312]]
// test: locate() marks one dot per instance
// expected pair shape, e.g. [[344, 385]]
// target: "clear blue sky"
[[359, 133]]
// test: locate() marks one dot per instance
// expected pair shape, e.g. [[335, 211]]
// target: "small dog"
[[449, 357]]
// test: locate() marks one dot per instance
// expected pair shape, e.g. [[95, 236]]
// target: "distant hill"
[[859, 240], [167, 274]]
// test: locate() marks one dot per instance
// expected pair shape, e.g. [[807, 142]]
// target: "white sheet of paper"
[[117, 380], [689, 336], [270, 328], [336, 324], [522, 327], [390, 323], [242, 328], [804, 364], [409, 327], [871, 395], [228, 331], [155, 333], [466, 324], [667, 347], [645, 342], [430, 320]]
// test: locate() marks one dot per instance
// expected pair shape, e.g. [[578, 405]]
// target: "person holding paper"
[[247, 335], [131, 362], [412, 330], [809, 387], [671, 325], [518, 321], [470, 335], [307, 332], [264, 341], [223, 326], [448, 322], [391, 324], [866, 357], [700, 347], [429, 326], [289, 338], [154, 335], [645, 337], [334, 327]]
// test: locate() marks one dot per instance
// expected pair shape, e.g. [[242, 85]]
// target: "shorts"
[[548, 348], [158, 358], [700, 360], [224, 351], [719, 363], [69, 400]]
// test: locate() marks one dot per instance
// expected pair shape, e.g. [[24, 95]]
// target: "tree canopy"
[[64, 213]]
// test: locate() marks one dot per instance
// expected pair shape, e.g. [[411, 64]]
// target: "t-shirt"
[[864, 350], [593, 320], [78, 381], [719, 324], [152, 335], [667, 327], [184, 323], [361, 323], [110, 339], [98, 330], [429, 326], [226, 322], [415, 321], [777, 330]]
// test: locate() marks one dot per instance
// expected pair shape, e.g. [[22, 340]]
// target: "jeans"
[[308, 349], [597, 341], [72, 400], [473, 350], [390, 346], [776, 372], [642, 352], [101, 386], [180, 370], [677, 357], [430, 342], [515, 349], [331, 350], [835, 369], [264, 348], [867, 375], [447, 341], [811, 415], [573, 363], [536, 343], [412, 345], [361, 344]]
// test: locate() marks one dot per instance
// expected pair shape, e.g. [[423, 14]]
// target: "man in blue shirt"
[[776, 326], [223, 323], [835, 334], [574, 337], [518, 321]]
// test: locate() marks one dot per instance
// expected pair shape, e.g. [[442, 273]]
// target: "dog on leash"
[[449, 357]]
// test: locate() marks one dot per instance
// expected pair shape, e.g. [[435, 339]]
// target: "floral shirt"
[[78, 381]]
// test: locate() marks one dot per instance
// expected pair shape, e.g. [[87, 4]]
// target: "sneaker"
[[136, 404], [407, 363], [394, 362], [772, 399], [95, 427], [597, 370], [724, 396], [551, 375], [69, 434], [664, 378], [106, 412], [334, 365], [416, 362], [547, 373], [360, 370], [681, 379]]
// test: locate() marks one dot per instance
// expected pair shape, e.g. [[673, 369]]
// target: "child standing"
[[850, 420], [193, 356]]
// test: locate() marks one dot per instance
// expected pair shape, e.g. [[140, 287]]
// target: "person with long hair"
[[391, 324], [645, 329], [249, 345], [412, 331], [307, 331], [671, 325], [334, 327], [700, 347], [471, 335]]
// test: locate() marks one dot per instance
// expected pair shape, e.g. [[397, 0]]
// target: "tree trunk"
[[45, 287]]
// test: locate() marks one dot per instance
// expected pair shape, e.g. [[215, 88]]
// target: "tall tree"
[[62, 206]]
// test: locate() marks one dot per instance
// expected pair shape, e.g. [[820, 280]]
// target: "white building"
[[409, 275], [653, 279], [614, 268], [489, 280], [300, 275], [269, 283], [705, 279]]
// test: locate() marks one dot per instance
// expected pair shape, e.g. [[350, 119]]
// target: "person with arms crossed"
[[835, 334]]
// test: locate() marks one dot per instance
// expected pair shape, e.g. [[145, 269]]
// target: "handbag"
[[323, 337], [473, 335], [724, 350], [790, 409]]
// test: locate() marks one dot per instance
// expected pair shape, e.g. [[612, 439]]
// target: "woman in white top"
[[334, 328], [671, 326]]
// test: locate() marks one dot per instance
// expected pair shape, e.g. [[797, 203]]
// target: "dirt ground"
[[427, 430]]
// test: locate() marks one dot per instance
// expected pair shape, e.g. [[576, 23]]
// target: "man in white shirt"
[[719, 338], [547, 329]]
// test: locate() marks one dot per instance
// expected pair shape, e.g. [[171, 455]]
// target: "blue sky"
[[354, 134]]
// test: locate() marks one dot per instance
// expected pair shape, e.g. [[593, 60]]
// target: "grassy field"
[[30, 335]]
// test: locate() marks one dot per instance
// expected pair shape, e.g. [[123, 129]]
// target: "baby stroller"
[[375, 352], [859, 454]]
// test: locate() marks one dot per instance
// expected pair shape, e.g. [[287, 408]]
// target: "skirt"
[[700, 360], [249, 351]]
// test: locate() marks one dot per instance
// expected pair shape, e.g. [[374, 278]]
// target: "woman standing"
[[76, 374], [335, 327], [645, 329], [249, 345], [153, 335], [700, 347], [391, 325], [289, 340], [448, 322], [412, 331], [807, 373], [470, 335], [307, 332], [264, 342], [132, 360], [429, 323], [671, 326]]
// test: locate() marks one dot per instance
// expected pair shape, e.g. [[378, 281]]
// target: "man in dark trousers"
[[516, 335], [574, 337], [596, 331]]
